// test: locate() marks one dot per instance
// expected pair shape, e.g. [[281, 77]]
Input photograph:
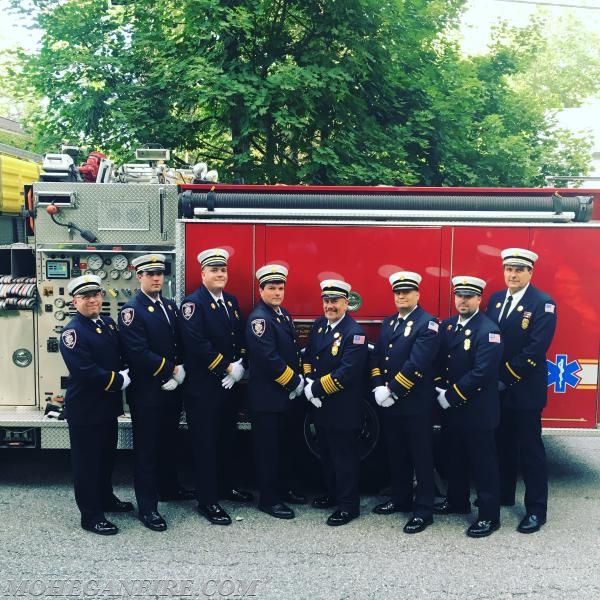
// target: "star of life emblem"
[[69, 338], [187, 310], [258, 327]]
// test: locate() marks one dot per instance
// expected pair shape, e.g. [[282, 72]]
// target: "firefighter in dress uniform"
[[149, 330], [402, 365], [92, 351], [215, 351], [527, 319], [335, 369], [467, 386], [274, 384]]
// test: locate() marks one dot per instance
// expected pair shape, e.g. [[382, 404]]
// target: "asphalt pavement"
[[44, 553]]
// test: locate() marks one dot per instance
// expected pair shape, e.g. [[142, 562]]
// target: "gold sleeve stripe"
[[402, 380], [376, 372], [329, 385], [162, 364], [285, 377], [512, 372], [214, 363], [112, 378], [306, 368], [459, 392]]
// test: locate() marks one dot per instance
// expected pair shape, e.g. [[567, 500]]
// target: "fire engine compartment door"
[[567, 270], [16, 357], [363, 255]]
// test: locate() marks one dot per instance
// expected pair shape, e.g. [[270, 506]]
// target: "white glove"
[[237, 370], [501, 386], [227, 382], [382, 392], [170, 385], [308, 389], [179, 374], [389, 401], [126, 379], [442, 398], [316, 402], [298, 389]]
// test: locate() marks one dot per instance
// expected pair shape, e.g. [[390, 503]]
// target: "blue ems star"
[[562, 373]]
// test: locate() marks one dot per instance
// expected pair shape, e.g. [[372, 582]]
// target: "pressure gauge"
[[59, 303], [94, 261], [114, 274], [59, 315], [101, 273], [119, 262], [126, 274]]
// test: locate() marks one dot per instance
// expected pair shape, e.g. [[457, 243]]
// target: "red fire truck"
[[360, 234]]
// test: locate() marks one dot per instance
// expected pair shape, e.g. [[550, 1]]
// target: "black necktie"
[[459, 328], [100, 323], [162, 311], [327, 329], [222, 307], [505, 309], [399, 322]]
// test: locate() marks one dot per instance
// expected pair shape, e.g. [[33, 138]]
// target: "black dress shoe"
[[101, 528], [389, 507], [152, 520], [279, 511], [175, 495], [238, 496], [341, 517], [445, 508], [482, 528], [292, 497], [214, 513], [531, 523], [417, 524], [323, 502], [116, 505]]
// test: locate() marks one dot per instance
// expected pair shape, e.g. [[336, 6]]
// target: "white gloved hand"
[[441, 398], [298, 389], [126, 379], [308, 389], [316, 402], [227, 382], [501, 386], [237, 370], [389, 401], [382, 392], [179, 375], [170, 385]]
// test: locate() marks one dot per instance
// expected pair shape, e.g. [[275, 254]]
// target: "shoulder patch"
[[258, 327], [127, 316], [433, 326], [494, 338], [187, 310], [69, 338], [549, 307], [358, 339]]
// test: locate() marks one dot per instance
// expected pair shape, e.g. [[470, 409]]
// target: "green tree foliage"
[[313, 91]]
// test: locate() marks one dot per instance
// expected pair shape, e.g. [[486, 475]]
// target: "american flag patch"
[[549, 308], [358, 339], [494, 338], [433, 325]]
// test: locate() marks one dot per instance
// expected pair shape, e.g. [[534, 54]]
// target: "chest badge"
[[151, 309], [467, 344], [524, 323], [520, 308]]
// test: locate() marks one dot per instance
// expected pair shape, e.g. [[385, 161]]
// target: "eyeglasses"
[[89, 295]]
